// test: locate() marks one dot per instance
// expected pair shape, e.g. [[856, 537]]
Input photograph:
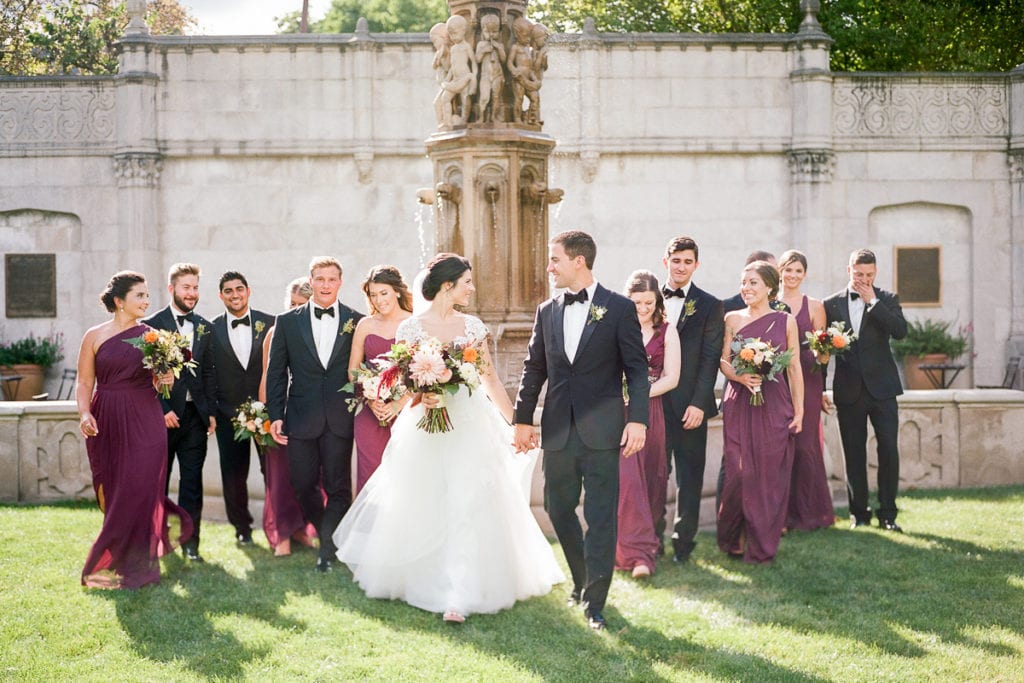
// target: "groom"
[[583, 341]]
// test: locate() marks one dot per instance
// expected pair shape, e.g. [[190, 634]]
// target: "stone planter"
[[32, 378], [917, 379]]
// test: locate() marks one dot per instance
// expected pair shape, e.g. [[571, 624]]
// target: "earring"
[[122, 309]]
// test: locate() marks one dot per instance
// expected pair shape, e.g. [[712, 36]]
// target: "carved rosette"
[[812, 165], [1015, 158], [137, 169]]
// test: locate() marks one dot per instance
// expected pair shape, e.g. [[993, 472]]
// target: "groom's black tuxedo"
[[228, 385], [187, 442], [582, 425], [865, 385], [700, 345], [316, 418]]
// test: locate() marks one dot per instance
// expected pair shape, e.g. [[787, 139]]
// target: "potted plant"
[[928, 342], [29, 359]]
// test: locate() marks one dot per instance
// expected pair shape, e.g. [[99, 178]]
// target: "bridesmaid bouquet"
[[253, 422], [368, 384], [752, 356], [832, 341], [431, 367], [164, 351]]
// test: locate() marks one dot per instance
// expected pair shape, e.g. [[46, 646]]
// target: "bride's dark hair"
[[441, 269]]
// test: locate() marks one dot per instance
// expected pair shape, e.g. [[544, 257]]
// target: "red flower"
[[186, 354]]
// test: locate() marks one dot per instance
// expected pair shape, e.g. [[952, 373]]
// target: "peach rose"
[[470, 355], [839, 342], [747, 354], [150, 336]]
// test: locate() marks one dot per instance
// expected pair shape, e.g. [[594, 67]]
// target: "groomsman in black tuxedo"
[[187, 416], [233, 367], [312, 343], [583, 341], [865, 387], [698, 318]]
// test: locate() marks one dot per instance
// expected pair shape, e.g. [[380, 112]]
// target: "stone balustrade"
[[948, 439]]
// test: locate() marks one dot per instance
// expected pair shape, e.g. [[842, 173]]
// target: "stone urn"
[[31, 384], [918, 379]]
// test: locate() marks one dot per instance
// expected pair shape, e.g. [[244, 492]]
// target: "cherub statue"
[[520, 65], [460, 81], [442, 50], [539, 39], [490, 56]]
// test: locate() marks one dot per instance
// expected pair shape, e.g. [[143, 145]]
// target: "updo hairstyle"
[[769, 274], [118, 288], [441, 269]]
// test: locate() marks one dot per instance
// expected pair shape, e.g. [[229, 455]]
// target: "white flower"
[[241, 417], [257, 406], [469, 375]]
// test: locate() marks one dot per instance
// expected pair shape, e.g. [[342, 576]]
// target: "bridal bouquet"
[[832, 341], [253, 422], [752, 356], [164, 351], [432, 367], [368, 384]]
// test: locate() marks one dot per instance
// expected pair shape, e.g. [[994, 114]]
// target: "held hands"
[[633, 438], [826, 405], [88, 425], [171, 420], [275, 432], [524, 438]]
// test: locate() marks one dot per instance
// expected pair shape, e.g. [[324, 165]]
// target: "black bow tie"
[[182, 318], [579, 297], [854, 296], [240, 321], [321, 312], [669, 293]]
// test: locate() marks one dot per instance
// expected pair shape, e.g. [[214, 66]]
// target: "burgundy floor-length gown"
[[282, 516], [758, 449], [643, 478], [370, 437], [128, 458], [810, 501]]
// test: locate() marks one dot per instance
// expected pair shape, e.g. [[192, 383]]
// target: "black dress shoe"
[[889, 525], [192, 555], [323, 565], [681, 558], [244, 537], [856, 522], [575, 598], [596, 620]]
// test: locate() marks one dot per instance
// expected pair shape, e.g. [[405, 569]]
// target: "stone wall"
[[256, 153]]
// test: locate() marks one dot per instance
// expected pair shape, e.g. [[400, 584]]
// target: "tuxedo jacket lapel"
[[683, 318], [306, 330], [340, 338], [558, 326], [600, 299], [220, 329]]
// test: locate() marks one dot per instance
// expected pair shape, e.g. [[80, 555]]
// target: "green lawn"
[[943, 602]]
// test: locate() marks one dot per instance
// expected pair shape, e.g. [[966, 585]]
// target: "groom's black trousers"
[[567, 472], [325, 460]]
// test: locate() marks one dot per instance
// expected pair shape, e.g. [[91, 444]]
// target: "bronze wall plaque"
[[918, 275], [31, 285]]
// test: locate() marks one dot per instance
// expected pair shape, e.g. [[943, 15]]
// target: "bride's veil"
[[419, 302]]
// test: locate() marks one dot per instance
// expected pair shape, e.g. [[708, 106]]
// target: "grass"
[[942, 602]]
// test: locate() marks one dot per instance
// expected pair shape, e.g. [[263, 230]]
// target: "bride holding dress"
[[444, 524]]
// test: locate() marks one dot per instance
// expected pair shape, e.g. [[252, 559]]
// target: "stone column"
[[811, 159], [590, 100], [362, 100], [1015, 158], [137, 162]]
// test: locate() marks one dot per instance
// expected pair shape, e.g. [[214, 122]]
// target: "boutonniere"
[[348, 328], [200, 331], [689, 308], [259, 327], [596, 314], [777, 305]]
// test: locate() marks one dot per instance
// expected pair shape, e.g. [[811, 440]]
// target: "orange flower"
[[150, 336], [747, 354], [266, 426], [470, 355], [839, 342]]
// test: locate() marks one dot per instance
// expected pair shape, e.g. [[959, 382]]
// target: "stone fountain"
[[490, 158]]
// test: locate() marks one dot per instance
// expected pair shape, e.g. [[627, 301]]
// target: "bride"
[[444, 523]]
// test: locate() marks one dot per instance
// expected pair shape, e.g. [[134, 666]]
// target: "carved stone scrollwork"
[[812, 165], [137, 169], [56, 117], [1015, 158]]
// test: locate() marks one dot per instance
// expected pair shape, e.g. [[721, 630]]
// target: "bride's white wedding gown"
[[444, 523]]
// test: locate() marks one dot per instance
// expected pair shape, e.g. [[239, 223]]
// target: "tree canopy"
[[75, 36], [383, 16]]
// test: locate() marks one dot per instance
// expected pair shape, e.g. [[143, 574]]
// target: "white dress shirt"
[[240, 337], [674, 305], [187, 329], [574, 319], [857, 308], [325, 331]]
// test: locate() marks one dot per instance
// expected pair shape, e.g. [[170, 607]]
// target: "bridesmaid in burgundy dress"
[[126, 440], [810, 501], [758, 440], [643, 478], [389, 302], [282, 516]]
